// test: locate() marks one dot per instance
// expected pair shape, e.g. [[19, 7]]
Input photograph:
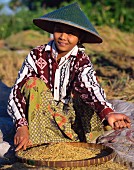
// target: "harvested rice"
[[67, 152], [58, 152]]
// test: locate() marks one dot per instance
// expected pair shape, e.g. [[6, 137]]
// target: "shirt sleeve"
[[17, 103], [89, 89]]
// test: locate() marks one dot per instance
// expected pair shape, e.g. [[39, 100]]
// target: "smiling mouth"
[[62, 44]]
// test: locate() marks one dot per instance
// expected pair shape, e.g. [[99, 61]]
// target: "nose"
[[63, 35]]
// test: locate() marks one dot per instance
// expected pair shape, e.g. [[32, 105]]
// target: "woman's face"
[[65, 37]]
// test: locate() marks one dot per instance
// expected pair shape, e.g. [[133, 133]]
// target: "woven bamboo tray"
[[106, 154]]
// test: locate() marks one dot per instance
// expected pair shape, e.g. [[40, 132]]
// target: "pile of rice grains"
[[66, 152], [59, 152]]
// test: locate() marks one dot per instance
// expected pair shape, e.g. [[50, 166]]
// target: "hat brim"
[[48, 25]]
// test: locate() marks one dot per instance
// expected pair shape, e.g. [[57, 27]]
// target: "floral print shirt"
[[73, 74]]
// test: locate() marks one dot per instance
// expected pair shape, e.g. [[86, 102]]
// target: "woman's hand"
[[21, 138], [118, 120]]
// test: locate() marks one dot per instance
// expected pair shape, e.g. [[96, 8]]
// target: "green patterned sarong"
[[51, 121]]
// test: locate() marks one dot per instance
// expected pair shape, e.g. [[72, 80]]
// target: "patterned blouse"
[[73, 74]]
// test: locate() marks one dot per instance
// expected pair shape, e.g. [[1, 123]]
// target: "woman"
[[57, 97]]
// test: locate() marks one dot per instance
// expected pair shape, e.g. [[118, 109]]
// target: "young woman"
[[56, 97]]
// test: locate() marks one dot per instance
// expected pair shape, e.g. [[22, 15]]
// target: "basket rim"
[[74, 163]]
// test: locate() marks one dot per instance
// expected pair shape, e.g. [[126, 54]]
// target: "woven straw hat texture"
[[71, 15]]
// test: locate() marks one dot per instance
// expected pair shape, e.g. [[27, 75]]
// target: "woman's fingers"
[[116, 125], [128, 119], [18, 140], [121, 124], [15, 141], [29, 143], [21, 145], [25, 145], [118, 120], [21, 138], [128, 122]]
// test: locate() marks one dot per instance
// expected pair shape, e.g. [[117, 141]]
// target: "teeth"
[[62, 44]]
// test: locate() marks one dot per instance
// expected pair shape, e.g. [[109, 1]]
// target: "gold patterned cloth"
[[51, 121]]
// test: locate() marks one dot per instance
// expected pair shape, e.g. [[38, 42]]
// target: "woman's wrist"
[[105, 112], [22, 127], [107, 116]]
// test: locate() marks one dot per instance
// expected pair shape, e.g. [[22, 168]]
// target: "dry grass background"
[[113, 59]]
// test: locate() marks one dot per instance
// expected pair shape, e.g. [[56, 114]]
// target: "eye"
[[69, 32], [57, 30]]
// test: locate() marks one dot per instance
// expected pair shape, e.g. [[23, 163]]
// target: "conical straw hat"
[[70, 15]]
